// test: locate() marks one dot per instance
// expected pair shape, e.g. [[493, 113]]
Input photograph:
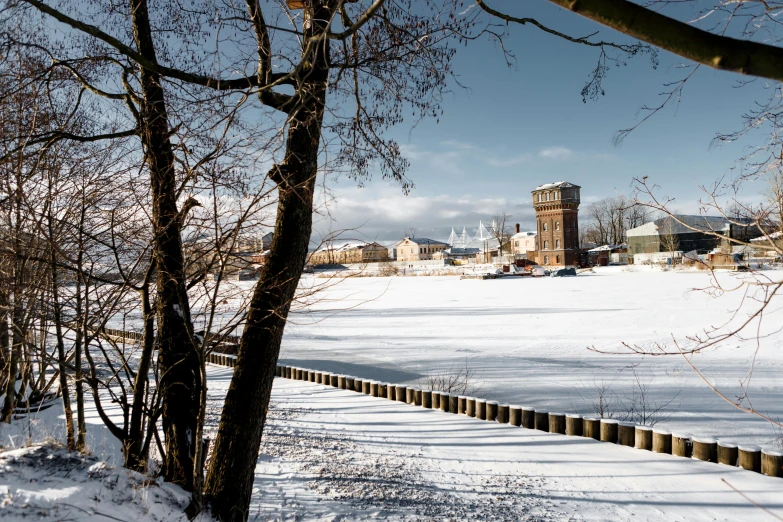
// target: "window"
[[516, 244], [557, 225], [557, 243], [544, 227], [411, 250], [546, 260], [557, 259], [546, 245], [547, 196]]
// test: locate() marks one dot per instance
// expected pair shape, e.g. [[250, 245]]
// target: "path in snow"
[[331, 454]]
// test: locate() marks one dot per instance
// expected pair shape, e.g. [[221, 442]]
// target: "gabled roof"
[[670, 226], [425, 241], [523, 234]]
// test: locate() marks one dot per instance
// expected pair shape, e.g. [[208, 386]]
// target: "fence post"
[[492, 410], [662, 441], [705, 448], [542, 420], [470, 407], [682, 445], [574, 425], [503, 413], [591, 427], [772, 462], [426, 398], [728, 453], [515, 415], [557, 423], [481, 409], [626, 434], [749, 457], [528, 418]]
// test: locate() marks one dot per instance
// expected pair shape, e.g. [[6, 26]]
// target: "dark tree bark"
[[180, 380], [229, 480]]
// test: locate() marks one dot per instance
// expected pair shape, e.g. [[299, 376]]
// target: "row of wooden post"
[[746, 456]]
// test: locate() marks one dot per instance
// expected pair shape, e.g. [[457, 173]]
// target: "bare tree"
[[500, 231]]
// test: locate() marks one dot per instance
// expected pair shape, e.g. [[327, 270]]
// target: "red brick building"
[[557, 224]]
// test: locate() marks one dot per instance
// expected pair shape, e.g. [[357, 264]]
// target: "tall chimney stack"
[[516, 228]]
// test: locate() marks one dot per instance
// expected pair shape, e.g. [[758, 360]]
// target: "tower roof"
[[557, 184]]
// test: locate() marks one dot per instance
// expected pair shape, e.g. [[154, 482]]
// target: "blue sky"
[[516, 128]]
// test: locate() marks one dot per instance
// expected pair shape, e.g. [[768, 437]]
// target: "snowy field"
[[334, 455], [527, 341]]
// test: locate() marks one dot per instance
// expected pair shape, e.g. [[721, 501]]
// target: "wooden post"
[[749, 457], [470, 407], [557, 423], [772, 462], [462, 405], [727, 453], [626, 434], [313, 375], [374, 388], [492, 411], [284, 372], [503, 413], [454, 404], [318, 376], [643, 437], [349, 383], [705, 448], [542, 420], [528, 418], [366, 386], [298, 376], [417, 398], [515, 415], [325, 379], [444, 401], [573, 425], [306, 375], [402, 393], [426, 398], [591, 428], [435, 400], [609, 430], [357, 384], [334, 380], [662, 441], [278, 368], [481, 409], [410, 395], [341, 383], [682, 445], [383, 390]]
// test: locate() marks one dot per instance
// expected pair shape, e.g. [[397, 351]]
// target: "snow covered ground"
[[527, 340], [332, 454]]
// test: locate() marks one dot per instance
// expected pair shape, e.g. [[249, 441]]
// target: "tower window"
[[557, 259], [545, 227], [557, 243], [546, 245], [546, 260], [557, 225]]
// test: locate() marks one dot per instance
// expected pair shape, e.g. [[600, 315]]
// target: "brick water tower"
[[557, 224]]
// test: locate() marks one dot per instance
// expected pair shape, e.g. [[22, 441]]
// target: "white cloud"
[[384, 215], [556, 153]]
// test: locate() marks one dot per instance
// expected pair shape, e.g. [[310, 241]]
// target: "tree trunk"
[[135, 451], [179, 364], [229, 480], [58, 328]]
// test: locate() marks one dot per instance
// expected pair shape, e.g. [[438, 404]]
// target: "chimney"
[[516, 228]]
